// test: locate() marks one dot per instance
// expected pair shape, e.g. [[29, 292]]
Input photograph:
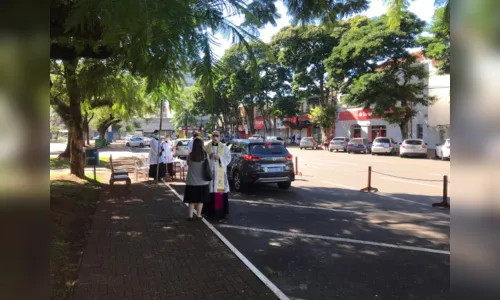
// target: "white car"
[[443, 151], [181, 149], [384, 145], [128, 137], [413, 147], [276, 139], [139, 142], [308, 142]]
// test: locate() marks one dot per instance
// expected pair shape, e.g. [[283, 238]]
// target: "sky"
[[424, 9]]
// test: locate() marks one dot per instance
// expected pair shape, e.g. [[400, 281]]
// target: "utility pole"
[[159, 145], [185, 123]]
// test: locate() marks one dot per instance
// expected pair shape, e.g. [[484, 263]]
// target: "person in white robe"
[[168, 157], [219, 158], [155, 159]]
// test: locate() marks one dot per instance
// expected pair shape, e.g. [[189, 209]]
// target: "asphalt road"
[[323, 239]]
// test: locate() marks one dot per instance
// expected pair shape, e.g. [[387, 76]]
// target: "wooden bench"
[[118, 174]]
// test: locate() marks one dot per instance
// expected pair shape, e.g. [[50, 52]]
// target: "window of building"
[[356, 131], [420, 131], [379, 131]]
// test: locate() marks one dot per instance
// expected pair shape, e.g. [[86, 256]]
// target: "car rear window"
[[359, 141], [183, 143], [413, 142], [307, 138], [267, 149], [383, 140], [338, 140]]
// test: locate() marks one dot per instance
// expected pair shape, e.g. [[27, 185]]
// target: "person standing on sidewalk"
[[220, 157], [196, 191], [155, 159], [169, 158]]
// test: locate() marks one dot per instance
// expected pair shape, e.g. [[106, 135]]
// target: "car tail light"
[[289, 157], [177, 148], [424, 146], [403, 146], [250, 157], [362, 145], [349, 144], [448, 147]]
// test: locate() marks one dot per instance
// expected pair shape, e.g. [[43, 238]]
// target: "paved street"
[[323, 239]]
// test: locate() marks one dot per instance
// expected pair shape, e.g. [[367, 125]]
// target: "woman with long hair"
[[197, 190]]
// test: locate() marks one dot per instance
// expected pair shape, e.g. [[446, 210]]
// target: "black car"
[[255, 161]]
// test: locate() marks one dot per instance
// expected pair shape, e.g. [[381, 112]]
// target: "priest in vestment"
[[219, 157]]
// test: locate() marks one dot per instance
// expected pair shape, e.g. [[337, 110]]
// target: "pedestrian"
[[155, 158], [168, 157], [325, 143], [220, 157], [197, 190], [190, 144]]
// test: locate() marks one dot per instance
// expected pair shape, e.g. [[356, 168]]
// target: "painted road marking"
[[378, 193], [337, 239], [247, 263], [412, 182], [295, 206]]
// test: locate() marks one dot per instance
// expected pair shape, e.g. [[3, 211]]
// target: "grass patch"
[[89, 177], [72, 203], [57, 164]]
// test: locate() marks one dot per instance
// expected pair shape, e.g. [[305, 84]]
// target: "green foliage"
[[396, 9], [303, 49], [437, 46], [324, 116], [372, 67], [188, 110]]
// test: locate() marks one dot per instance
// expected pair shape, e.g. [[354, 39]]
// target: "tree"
[[373, 68], [396, 9], [304, 49], [437, 46], [159, 40], [324, 116]]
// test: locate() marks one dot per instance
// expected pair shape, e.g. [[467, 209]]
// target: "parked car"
[[413, 147], [308, 142], [128, 137], [338, 143], [384, 145], [139, 142], [257, 137], [181, 149], [276, 139], [359, 145], [255, 162], [444, 151]]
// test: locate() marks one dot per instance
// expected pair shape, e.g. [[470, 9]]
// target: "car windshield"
[[383, 140], [267, 149], [413, 142], [183, 143]]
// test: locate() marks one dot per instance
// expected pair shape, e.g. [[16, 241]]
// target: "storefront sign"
[[304, 118], [258, 123], [362, 114], [291, 119]]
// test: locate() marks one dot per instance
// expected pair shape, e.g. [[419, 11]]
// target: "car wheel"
[[373, 154], [331, 150], [401, 156], [348, 152], [141, 145], [301, 148], [127, 144], [284, 185], [239, 186]]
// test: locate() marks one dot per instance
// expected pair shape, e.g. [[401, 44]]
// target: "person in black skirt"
[[196, 191]]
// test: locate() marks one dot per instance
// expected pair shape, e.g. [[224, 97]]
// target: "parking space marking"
[[337, 239], [295, 206], [378, 193], [412, 182], [238, 254]]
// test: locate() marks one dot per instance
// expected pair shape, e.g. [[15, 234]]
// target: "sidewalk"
[[142, 247]]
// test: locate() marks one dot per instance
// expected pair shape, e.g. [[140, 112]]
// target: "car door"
[[236, 152]]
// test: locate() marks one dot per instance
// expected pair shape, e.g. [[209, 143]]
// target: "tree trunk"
[[102, 133], [76, 143], [249, 114], [66, 153]]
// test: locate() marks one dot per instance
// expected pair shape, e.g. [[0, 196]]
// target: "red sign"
[[292, 119], [362, 114], [304, 118], [258, 123]]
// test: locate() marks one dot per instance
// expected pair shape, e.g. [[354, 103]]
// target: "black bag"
[[207, 171]]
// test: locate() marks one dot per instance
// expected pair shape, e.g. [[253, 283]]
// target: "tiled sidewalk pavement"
[[142, 247]]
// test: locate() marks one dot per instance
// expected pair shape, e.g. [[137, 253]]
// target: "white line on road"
[[337, 239], [247, 263], [412, 182], [378, 193], [293, 205]]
